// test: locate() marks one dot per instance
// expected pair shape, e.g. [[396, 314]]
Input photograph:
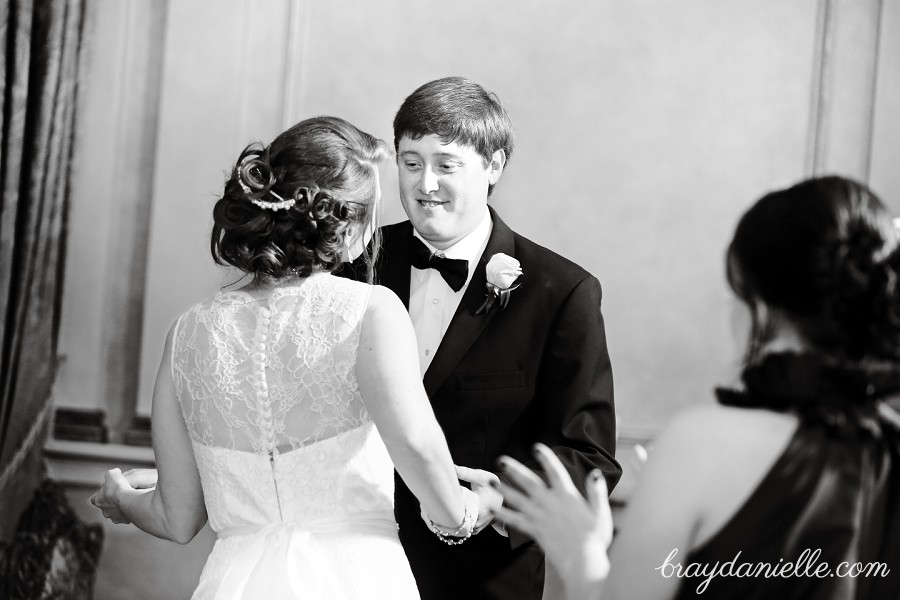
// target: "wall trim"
[[293, 60], [131, 191], [815, 143], [870, 148], [843, 88], [83, 464]]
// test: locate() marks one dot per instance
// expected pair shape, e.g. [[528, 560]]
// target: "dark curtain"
[[40, 44]]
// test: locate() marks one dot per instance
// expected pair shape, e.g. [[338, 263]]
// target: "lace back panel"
[[271, 375]]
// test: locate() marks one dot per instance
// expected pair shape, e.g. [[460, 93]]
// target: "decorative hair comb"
[[281, 204]]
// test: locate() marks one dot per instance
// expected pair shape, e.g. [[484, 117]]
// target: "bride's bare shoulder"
[[384, 304], [386, 320]]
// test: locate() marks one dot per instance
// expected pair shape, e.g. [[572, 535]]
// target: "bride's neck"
[[264, 284]]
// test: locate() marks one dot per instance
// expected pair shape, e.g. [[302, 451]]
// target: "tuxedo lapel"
[[466, 326], [393, 264]]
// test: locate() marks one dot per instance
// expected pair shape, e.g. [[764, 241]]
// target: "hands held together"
[[573, 532]]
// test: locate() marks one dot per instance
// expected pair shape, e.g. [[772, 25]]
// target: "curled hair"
[[322, 174], [824, 252], [456, 109]]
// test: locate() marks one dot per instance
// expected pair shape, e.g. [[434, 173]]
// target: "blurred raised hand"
[[574, 532]]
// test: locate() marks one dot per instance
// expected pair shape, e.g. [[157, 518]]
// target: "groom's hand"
[[488, 497]]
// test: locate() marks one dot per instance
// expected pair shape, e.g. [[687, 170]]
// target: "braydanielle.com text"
[[807, 565]]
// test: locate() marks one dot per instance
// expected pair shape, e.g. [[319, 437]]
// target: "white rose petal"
[[502, 271]]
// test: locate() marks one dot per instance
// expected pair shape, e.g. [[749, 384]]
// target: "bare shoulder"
[[725, 425], [384, 304], [702, 468], [730, 450], [385, 318], [712, 435]]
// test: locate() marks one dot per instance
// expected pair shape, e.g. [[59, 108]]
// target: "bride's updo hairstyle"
[[824, 253], [290, 208]]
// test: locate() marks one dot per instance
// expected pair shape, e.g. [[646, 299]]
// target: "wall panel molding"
[[843, 89], [297, 24], [132, 166]]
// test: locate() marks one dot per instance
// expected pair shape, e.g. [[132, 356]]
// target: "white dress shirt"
[[432, 303]]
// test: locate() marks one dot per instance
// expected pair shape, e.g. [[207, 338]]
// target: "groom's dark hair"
[[459, 110]]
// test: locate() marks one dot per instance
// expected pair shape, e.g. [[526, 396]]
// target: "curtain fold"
[[40, 41]]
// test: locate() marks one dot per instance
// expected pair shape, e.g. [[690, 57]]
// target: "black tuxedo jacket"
[[537, 370]]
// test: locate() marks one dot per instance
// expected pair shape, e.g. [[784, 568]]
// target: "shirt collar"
[[470, 247]]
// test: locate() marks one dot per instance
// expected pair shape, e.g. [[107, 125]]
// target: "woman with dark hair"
[[282, 408], [789, 487]]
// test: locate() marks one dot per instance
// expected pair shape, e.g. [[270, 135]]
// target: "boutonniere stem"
[[502, 271]]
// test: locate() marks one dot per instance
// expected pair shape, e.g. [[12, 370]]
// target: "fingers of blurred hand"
[[598, 498], [512, 497], [514, 519], [475, 476], [595, 489], [554, 469], [141, 478], [521, 475]]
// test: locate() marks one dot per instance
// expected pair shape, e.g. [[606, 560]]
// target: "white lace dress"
[[297, 482]]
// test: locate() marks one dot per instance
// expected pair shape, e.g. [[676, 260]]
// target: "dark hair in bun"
[[824, 252], [289, 208]]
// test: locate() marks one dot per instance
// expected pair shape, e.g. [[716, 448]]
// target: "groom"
[[505, 363]]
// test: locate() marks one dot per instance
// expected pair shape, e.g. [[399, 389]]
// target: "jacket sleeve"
[[574, 407]]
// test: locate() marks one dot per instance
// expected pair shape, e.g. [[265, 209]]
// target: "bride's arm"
[[391, 386], [174, 509]]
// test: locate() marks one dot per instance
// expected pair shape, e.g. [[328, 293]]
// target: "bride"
[[282, 408]]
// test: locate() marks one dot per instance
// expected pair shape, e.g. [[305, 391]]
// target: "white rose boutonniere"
[[502, 272]]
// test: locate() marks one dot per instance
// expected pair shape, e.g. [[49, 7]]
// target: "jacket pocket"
[[491, 381]]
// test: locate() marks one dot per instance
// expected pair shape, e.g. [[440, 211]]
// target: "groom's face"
[[444, 187]]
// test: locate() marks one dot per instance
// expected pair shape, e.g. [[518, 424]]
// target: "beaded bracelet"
[[455, 537]]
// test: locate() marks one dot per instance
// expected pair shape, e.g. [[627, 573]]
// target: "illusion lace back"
[[297, 482]]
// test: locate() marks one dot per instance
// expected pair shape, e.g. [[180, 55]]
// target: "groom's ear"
[[495, 166]]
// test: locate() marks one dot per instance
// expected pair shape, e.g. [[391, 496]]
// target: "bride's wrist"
[[457, 535]]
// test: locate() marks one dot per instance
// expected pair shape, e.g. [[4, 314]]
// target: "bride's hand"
[[141, 479], [573, 532], [488, 496], [107, 497]]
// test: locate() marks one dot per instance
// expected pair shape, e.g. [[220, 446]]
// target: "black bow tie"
[[455, 271]]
